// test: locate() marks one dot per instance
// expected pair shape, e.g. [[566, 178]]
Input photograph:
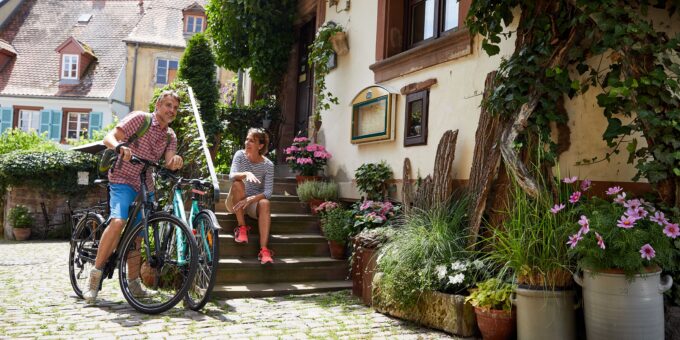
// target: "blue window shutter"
[[45, 121], [55, 126], [6, 118], [95, 122]]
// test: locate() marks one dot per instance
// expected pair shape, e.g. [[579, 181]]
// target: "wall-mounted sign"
[[373, 115]]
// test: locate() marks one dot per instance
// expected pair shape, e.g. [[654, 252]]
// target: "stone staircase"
[[302, 262]]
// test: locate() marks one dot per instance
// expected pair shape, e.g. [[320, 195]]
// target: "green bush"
[[324, 191], [336, 224], [97, 135], [492, 294], [427, 240], [55, 171], [20, 217], [17, 139], [371, 179]]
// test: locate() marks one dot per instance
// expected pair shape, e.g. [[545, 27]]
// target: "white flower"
[[456, 279], [441, 271], [478, 264], [457, 266]]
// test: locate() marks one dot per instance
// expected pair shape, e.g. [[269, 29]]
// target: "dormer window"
[[69, 66], [194, 24]]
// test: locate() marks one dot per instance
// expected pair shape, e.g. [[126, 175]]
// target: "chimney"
[[141, 6]]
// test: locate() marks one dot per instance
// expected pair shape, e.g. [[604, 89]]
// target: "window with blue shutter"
[[45, 120], [6, 118], [55, 125], [95, 122]]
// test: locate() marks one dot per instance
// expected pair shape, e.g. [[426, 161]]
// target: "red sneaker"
[[241, 234], [265, 256]]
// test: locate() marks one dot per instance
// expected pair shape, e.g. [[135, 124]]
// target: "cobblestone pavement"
[[37, 301]]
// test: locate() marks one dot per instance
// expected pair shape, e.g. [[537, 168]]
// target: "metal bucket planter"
[[545, 314], [618, 308]]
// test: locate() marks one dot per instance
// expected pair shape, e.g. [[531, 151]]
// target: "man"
[[159, 140]]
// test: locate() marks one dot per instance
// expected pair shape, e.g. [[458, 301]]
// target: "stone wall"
[[55, 204]]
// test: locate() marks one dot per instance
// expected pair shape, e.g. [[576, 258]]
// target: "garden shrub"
[[17, 139], [55, 171]]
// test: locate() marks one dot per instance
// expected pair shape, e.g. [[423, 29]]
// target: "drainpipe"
[[134, 78]]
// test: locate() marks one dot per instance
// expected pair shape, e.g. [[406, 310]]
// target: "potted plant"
[[531, 245], [21, 221], [622, 244], [320, 53], [335, 223], [307, 158], [315, 193], [371, 179], [493, 308]]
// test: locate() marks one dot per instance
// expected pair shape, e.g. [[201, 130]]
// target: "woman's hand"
[[250, 177], [242, 204]]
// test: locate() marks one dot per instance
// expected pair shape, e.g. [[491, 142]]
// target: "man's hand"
[[125, 152], [250, 177], [175, 163]]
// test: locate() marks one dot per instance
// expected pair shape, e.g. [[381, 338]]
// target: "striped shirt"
[[151, 146], [264, 171]]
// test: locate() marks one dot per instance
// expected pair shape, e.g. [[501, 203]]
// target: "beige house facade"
[[447, 69]]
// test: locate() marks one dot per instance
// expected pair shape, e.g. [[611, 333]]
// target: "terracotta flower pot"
[[148, 275], [301, 179], [313, 204], [495, 324], [21, 234], [339, 43], [337, 250]]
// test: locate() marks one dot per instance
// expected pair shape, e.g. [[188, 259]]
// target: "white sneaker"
[[137, 289], [93, 286]]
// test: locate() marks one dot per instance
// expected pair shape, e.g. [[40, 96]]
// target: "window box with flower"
[[306, 158], [622, 244]]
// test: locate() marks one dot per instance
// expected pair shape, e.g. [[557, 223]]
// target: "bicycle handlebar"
[[196, 183]]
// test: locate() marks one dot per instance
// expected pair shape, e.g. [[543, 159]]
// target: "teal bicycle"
[[205, 228]]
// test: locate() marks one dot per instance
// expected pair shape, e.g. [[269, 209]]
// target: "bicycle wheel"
[[166, 270], [207, 241], [84, 245]]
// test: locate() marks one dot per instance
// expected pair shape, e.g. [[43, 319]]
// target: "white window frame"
[[68, 61], [80, 133], [166, 69], [33, 120], [192, 23]]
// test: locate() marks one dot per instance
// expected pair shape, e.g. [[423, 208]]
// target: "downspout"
[[134, 78]]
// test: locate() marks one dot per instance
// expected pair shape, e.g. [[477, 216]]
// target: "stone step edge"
[[283, 238], [302, 261], [283, 286]]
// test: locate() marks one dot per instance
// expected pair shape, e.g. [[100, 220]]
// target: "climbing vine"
[[563, 48], [320, 53]]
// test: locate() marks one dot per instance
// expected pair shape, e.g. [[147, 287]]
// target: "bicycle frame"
[[178, 210]]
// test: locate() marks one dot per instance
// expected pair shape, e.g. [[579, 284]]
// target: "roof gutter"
[[134, 78]]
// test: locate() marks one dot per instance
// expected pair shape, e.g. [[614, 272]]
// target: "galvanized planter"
[[618, 308], [545, 314]]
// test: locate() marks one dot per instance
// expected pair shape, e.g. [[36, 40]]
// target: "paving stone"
[[37, 301]]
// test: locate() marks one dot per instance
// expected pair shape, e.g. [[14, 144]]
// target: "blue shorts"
[[122, 195]]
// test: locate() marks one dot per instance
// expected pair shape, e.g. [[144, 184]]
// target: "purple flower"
[[671, 230], [573, 240], [632, 204], [366, 205], [600, 241], [626, 222], [614, 190], [585, 225], [647, 252], [575, 197], [621, 198], [585, 184], [636, 213], [555, 209], [569, 180], [659, 218]]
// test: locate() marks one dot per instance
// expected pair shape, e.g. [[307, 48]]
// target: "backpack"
[[109, 156]]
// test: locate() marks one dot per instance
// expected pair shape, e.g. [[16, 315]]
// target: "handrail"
[[204, 145]]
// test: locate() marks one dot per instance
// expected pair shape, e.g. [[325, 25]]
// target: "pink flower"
[[585, 184], [600, 241], [621, 198], [573, 240], [575, 197], [632, 204], [585, 225], [569, 180], [304, 160], [290, 159], [671, 230], [614, 190], [626, 222], [636, 213], [300, 139], [311, 147], [367, 204], [659, 218], [647, 252], [555, 209]]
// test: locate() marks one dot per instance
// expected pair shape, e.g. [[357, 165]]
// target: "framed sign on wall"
[[373, 115]]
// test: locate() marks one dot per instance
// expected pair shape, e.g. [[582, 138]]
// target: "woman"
[[252, 177]]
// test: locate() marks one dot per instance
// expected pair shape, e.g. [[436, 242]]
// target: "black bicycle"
[[165, 269]]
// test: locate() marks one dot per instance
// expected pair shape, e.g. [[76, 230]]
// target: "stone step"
[[284, 245], [282, 185], [280, 223], [241, 271], [279, 204], [256, 290]]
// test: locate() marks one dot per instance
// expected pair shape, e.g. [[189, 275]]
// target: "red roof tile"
[[163, 24]]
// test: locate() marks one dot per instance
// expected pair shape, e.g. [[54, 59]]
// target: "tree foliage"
[[255, 34], [565, 47]]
